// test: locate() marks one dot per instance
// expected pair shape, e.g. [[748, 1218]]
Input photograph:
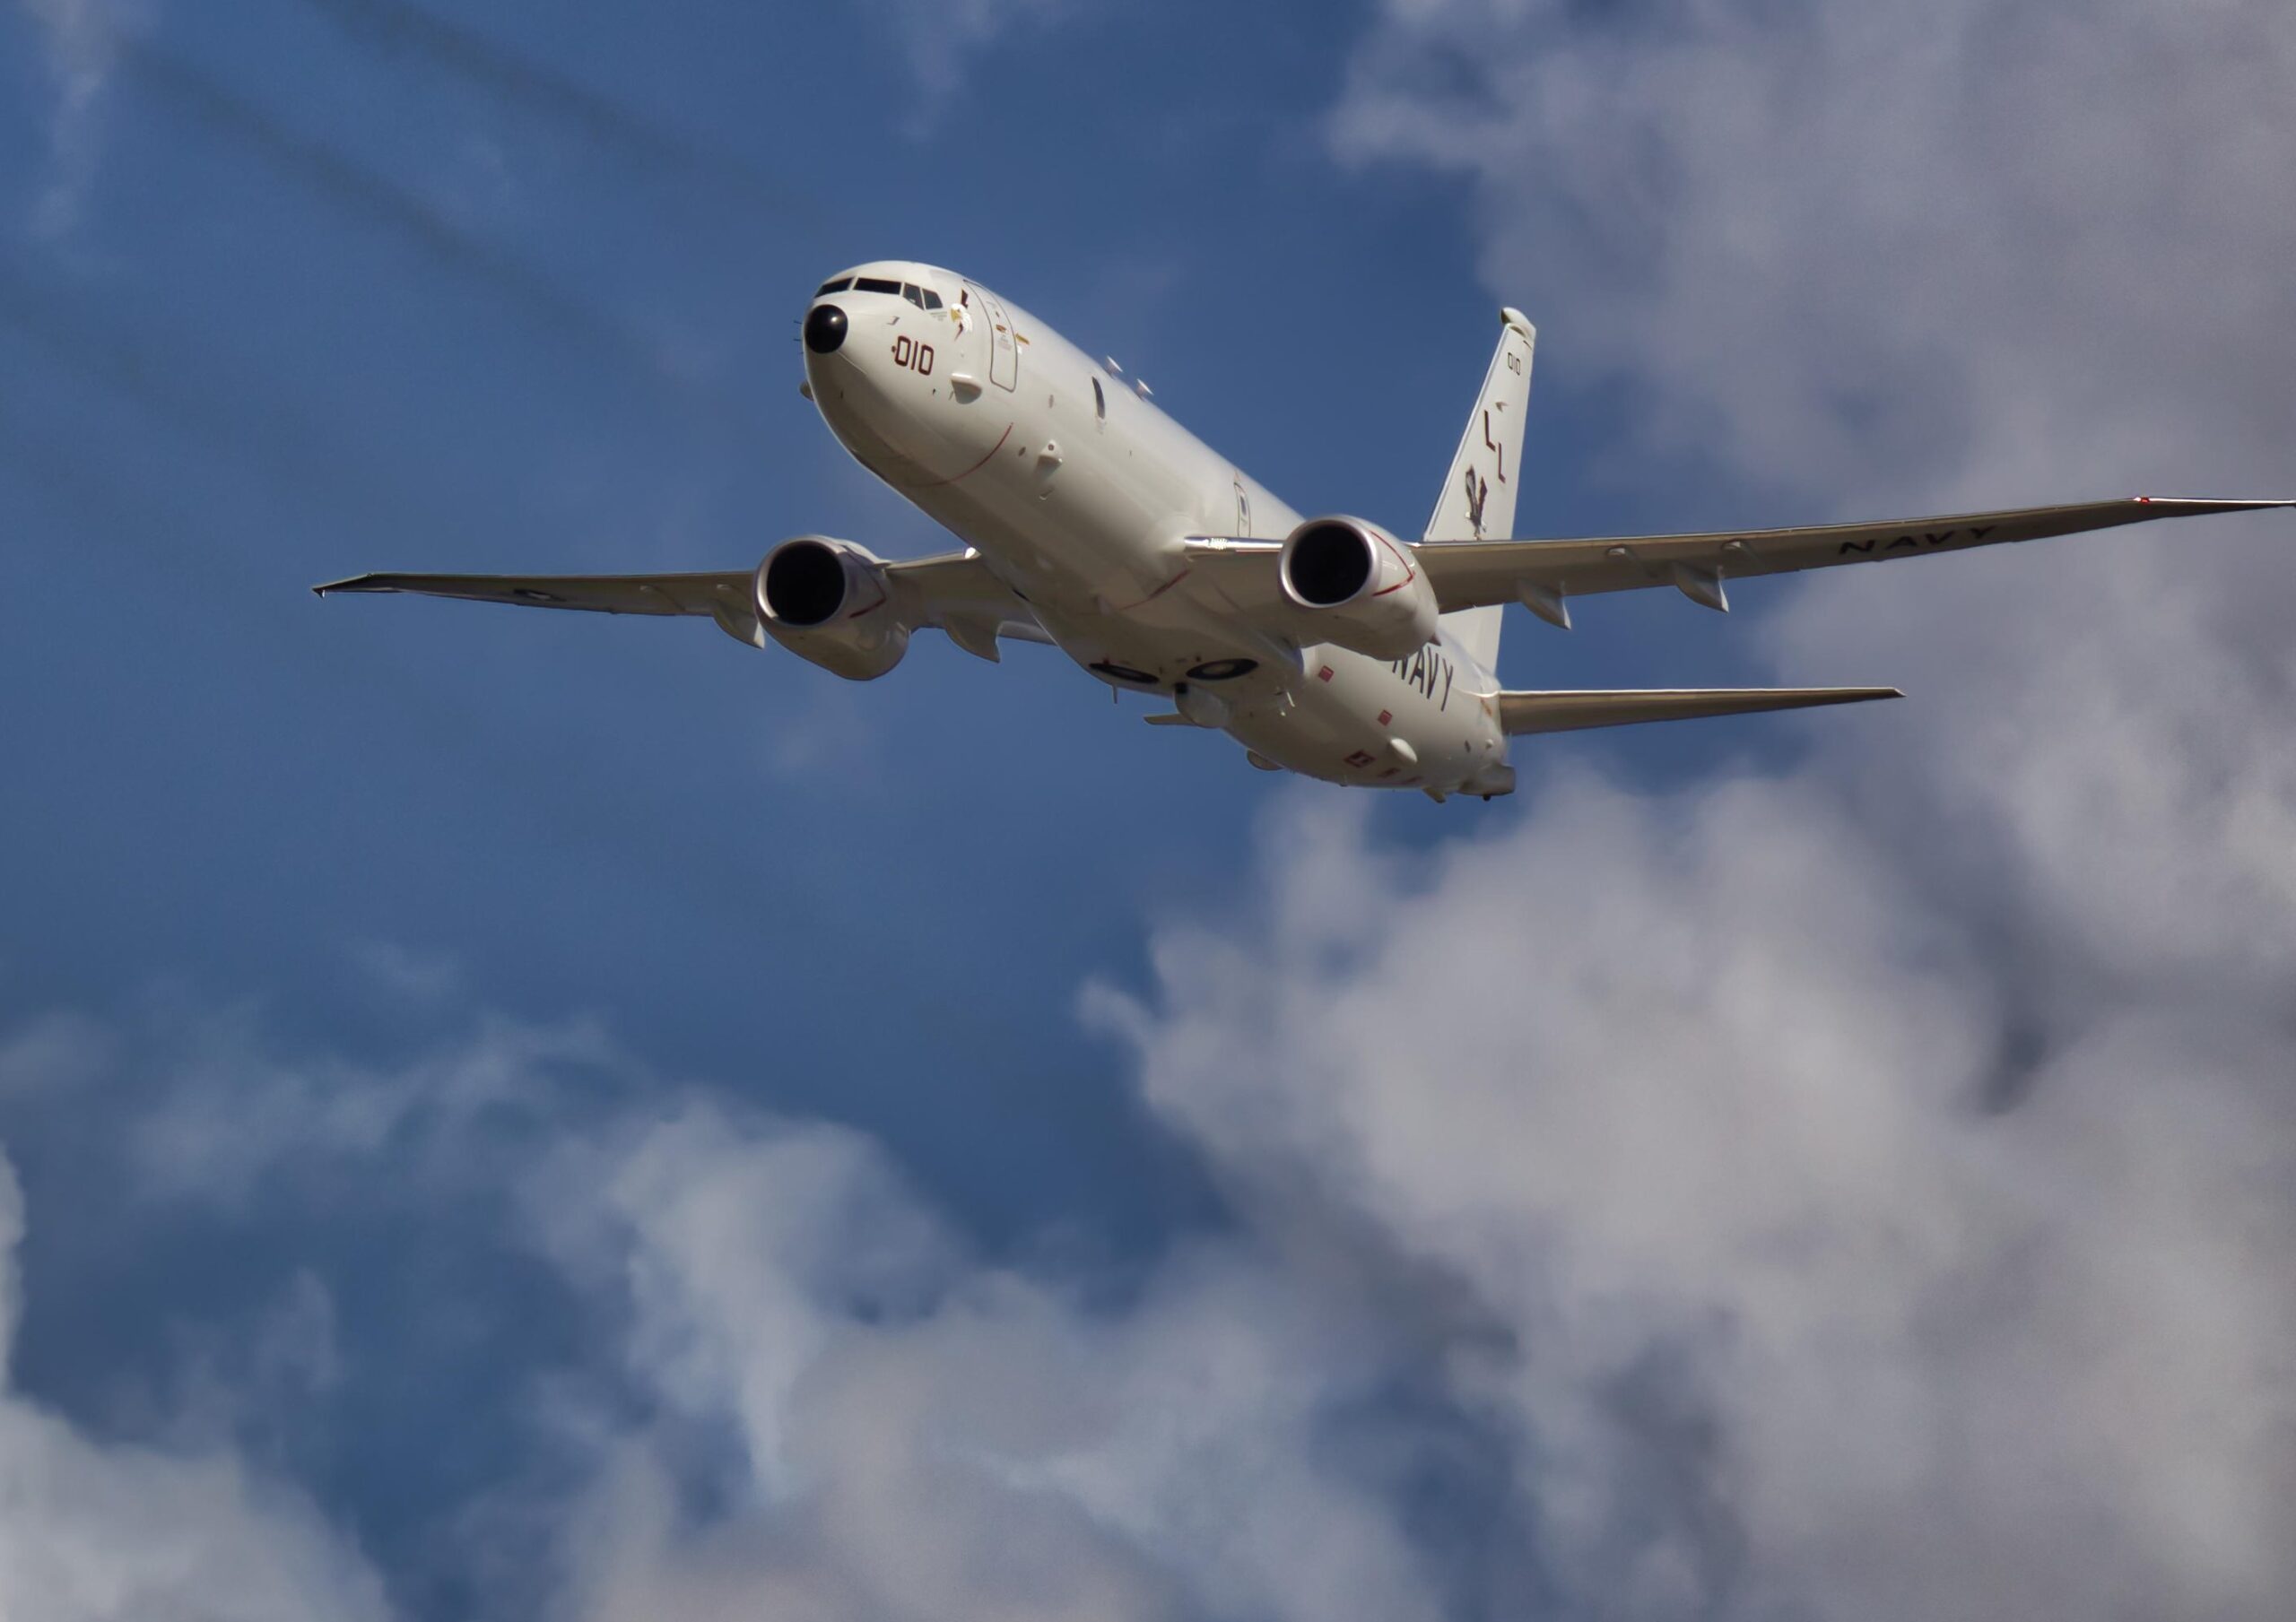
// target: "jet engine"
[[1360, 584], [831, 602]]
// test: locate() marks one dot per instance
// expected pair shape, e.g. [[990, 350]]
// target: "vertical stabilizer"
[[1478, 498]]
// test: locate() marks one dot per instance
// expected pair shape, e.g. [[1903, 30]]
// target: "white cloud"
[[1885, 1174], [920, 1434], [1691, 1096], [96, 1531]]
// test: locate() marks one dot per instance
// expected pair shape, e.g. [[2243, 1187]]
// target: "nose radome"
[[825, 327]]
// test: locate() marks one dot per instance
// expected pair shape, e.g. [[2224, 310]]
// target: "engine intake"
[[830, 603], [1360, 586], [805, 584]]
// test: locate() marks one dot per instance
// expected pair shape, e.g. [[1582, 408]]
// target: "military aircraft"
[[1093, 521]]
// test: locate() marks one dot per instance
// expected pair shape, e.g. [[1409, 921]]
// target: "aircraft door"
[[1004, 349]]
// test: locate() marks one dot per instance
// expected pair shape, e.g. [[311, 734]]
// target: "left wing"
[[954, 591], [1470, 573], [1542, 574]]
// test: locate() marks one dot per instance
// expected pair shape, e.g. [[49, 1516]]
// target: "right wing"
[[954, 591], [1563, 712]]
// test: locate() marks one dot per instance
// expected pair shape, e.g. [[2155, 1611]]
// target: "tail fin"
[[1478, 497]]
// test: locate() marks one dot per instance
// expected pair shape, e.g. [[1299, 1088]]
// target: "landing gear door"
[[1004, 349]]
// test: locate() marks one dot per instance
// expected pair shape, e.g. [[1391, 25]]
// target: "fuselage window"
[[932, 299], [913, 293], [1100, 402], [838, 286], [875, 284]]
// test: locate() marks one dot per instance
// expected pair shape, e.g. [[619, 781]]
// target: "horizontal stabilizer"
[[1523, 713]]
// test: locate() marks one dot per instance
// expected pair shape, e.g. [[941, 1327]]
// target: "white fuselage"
[[1079, 494]]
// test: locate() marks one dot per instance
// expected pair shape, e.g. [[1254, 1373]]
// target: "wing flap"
[[1520, 713]]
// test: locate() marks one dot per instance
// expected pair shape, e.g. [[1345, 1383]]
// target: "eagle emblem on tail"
[[1478, 490]]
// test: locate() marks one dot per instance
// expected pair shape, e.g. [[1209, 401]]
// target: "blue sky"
[[636, 820], [510, 1101]]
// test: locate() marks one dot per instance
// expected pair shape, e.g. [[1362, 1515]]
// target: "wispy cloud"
[[943, 40], [95, 47], [520, 81], [80, 36], [54, 1052]]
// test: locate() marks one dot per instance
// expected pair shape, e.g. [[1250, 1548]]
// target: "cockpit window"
[[838, 286], [913, 293], [932, 299], [875, 284]]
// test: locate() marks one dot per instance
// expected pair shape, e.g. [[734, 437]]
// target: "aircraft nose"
[[825, 327]]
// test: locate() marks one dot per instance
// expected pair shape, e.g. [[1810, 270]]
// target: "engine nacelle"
[[1362, 585], [830, 601]]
